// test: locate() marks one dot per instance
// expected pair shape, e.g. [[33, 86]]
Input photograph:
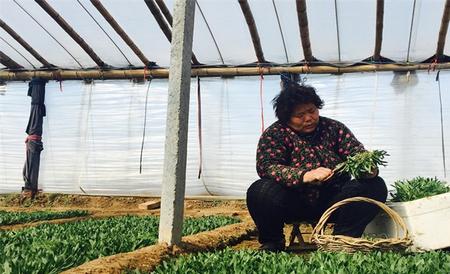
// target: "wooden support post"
[[443, 30], [379, 30], [253, 30], [304, 30], [174, 173], [155, 10], [113, 23], [8, 62], [162, 6], [24, 44], [70, 31]]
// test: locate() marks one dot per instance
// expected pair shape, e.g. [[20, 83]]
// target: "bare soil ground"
[[107, 206]]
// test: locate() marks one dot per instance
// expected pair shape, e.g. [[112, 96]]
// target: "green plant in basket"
[[417, 188], [362, 163]]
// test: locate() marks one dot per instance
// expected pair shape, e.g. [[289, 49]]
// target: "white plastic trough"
[[427, 219]]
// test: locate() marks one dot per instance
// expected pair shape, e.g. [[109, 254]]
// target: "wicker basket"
[[350, 244]]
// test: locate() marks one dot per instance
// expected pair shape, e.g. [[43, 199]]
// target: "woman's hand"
[[317, 176]]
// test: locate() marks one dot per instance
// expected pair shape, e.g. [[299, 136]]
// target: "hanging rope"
[[84, 134], [199, 127], [57, 76], [442, 124], [145, 125], [432, 66], [200, 140], [261, 101]]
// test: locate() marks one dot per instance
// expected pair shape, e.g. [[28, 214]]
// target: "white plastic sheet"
[[93, 133]]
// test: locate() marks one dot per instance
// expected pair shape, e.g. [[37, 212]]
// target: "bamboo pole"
[[24, 44], [69, 30], [162, 6], [304, 30], [205, 72], [8, 62], [159, 19], [113, 23], [253, 30], [163, 25], [379, 30], [443, 30]]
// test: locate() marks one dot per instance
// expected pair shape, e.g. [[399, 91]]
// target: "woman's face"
[[304, 118]]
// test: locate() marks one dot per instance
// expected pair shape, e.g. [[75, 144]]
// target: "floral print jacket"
[[283, 154]]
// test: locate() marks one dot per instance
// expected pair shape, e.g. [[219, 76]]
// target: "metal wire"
[[442, 124], [210, 31], [281, 30], [410, 31], [104, 31], [17, 52], [56, 40], [337, 30], [145, 125]]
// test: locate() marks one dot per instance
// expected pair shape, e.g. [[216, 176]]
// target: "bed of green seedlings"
[[362, 163], [416, 188], [51, 248], [11, 218], [247, 261]]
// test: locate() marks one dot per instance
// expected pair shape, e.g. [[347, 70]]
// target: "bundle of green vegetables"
[[417, 188], [362, 163]]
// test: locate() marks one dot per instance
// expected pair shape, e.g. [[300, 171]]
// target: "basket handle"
[[320, 227]]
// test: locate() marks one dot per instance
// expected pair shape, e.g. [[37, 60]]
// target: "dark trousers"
[[272, 204]]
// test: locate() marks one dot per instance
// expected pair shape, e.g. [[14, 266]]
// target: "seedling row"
[[51, 248], [248, 261], [11, 218]]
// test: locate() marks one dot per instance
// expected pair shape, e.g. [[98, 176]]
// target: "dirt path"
[[105, 206]]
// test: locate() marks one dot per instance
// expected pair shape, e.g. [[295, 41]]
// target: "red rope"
[[261, 79], [33, 137], [433, 65]]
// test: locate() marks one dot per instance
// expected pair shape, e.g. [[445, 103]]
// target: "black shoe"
[[25, 194], [275, 246]]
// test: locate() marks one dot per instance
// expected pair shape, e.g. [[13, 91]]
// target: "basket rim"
[[318, 233]]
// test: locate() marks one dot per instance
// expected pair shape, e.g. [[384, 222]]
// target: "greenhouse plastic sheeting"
[[342, 33], [93, 132]]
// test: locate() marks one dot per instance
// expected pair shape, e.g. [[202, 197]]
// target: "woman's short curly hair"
[[291, 96]]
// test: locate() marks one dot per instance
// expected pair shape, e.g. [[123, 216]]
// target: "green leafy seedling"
[[362, 163], [417, 188], [11, 218], [251, 261]]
